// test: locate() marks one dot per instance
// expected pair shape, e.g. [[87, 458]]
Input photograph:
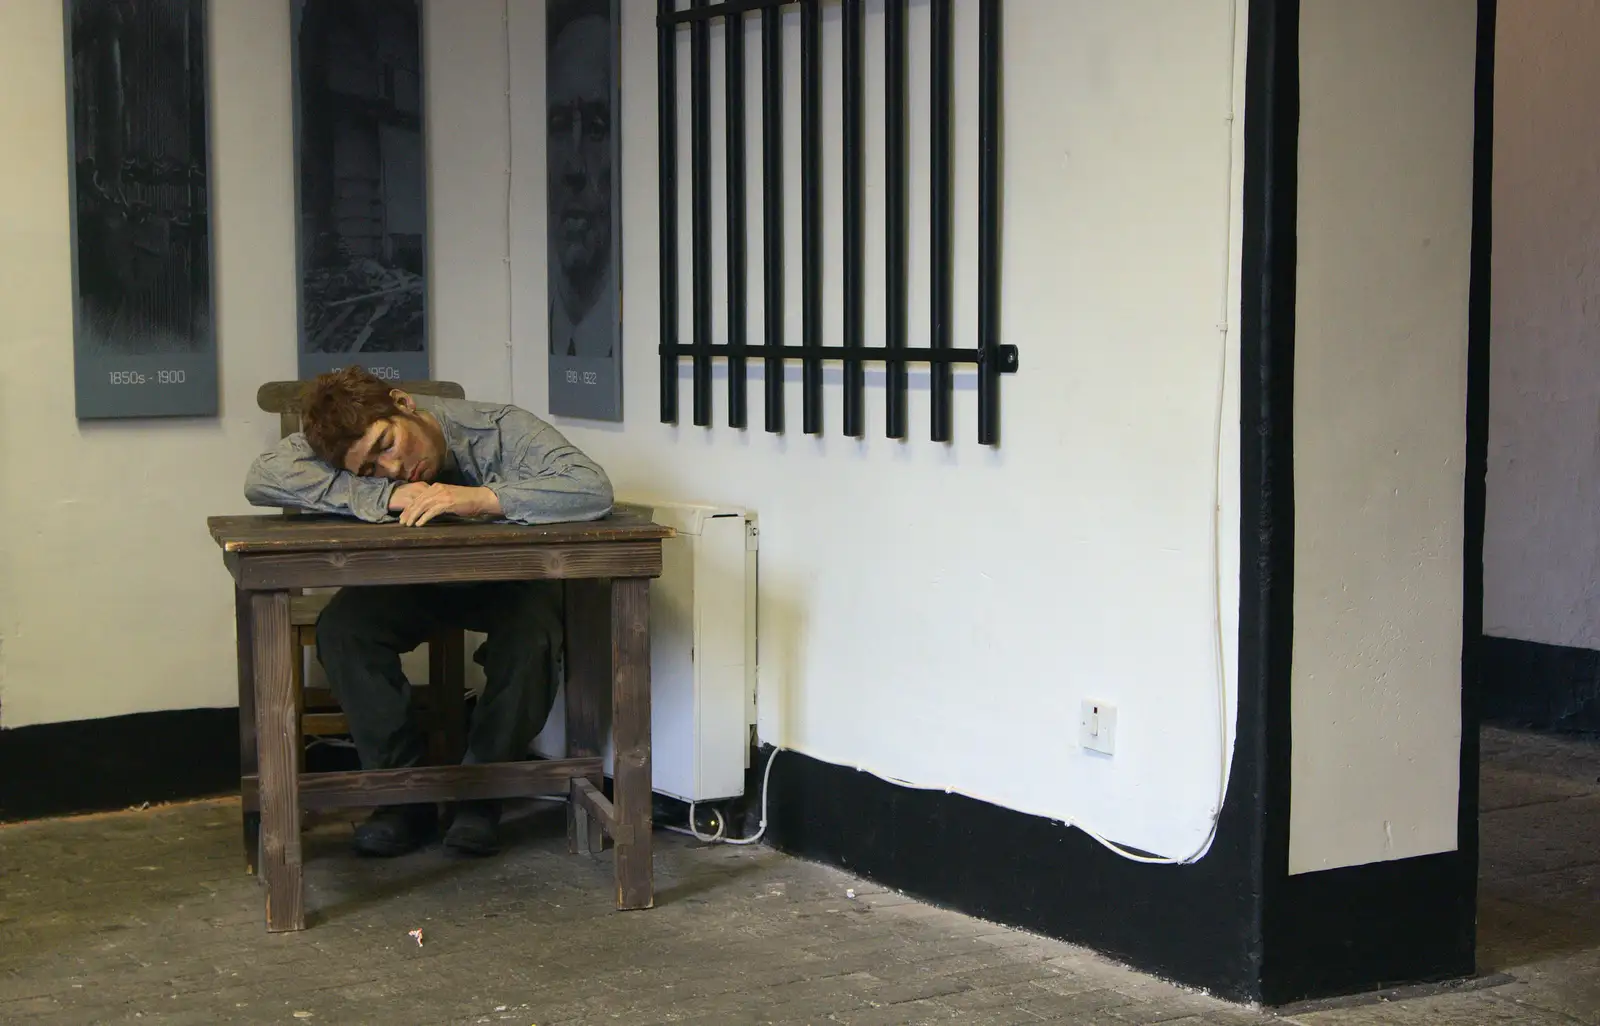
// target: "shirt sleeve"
[[544, 478], [292, 475]]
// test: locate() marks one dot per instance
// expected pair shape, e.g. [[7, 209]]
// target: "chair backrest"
[[284, 398]]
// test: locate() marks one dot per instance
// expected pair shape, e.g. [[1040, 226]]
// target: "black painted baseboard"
[[1369, 927], [1192, 924], [1326, 934], [54, 769], [1544, 687]]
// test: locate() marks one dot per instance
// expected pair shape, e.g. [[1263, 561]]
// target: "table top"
[[275, 532]]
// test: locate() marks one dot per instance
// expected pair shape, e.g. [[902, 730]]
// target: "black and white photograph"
[[136, 89], [583, 205], [361, 153]]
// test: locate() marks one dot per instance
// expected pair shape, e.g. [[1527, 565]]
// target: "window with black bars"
[[991, 358]]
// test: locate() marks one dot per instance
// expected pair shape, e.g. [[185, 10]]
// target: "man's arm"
[[546, 479], [292, 475]]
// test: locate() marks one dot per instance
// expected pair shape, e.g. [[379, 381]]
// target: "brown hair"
[[338, 407]]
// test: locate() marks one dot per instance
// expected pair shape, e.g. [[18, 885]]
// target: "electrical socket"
[[1097, 729]]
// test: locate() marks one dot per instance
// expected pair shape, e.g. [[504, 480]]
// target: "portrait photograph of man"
[[583, 207]]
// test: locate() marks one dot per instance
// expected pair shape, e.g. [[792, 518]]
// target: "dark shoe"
[[395, 830], [475, 830]]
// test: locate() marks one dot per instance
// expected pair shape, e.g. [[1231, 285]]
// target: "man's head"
[[579, 143], [354, 421]]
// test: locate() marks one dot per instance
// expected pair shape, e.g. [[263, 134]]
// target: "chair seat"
[[304, 609], [324, 724]]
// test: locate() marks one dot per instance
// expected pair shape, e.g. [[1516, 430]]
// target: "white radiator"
[[702, 656]]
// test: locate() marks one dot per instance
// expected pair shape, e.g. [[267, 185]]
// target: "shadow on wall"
[[780, 639]]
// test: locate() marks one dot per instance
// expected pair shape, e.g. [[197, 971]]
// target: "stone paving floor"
[[145, 917]]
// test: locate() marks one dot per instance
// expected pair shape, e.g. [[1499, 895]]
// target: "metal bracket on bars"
[[990, 357], [1006, 355]]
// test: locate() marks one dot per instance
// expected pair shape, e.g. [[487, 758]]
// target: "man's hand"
[[434, 499], [404, 495]]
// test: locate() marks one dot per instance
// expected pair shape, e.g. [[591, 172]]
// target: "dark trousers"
[[363, 632]]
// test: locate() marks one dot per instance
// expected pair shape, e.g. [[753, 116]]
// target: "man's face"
[[402, 447], [579, 152]]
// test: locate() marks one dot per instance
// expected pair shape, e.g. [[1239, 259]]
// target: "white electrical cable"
[[718, 838], [694, 831], [1224, 742], [1125, 852], [1224, 748]]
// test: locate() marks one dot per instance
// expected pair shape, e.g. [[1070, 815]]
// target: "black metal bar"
[[811, 212], [738, 271], [667, 141], [722, 10], [990, 357], [942, 255], [988, 219], [1006, 359], [700, 184], [854, 29], [897, 240], [772, 205]]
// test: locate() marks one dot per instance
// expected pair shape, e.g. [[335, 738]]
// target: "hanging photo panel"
[[361, 160], [584, 208], [144, 341]]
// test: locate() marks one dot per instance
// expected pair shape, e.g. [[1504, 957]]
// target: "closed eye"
[[384, 444]]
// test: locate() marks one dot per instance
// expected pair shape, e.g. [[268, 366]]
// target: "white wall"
[[1386, 128], [931, 612], [936, 613], [1542, 526], [115, 599]]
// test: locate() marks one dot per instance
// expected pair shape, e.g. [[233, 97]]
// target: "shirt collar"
[[454, 444]]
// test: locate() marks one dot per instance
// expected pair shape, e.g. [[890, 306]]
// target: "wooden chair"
[[441, 705]]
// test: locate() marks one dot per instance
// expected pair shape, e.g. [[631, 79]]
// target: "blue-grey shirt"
[[538, 475]]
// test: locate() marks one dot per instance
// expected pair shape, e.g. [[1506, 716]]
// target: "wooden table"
[[607, 566]]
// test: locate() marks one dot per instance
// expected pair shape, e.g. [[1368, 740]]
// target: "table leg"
[[247, 721], [588, 696], [278, 750], [447, 691], [630, 737]]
